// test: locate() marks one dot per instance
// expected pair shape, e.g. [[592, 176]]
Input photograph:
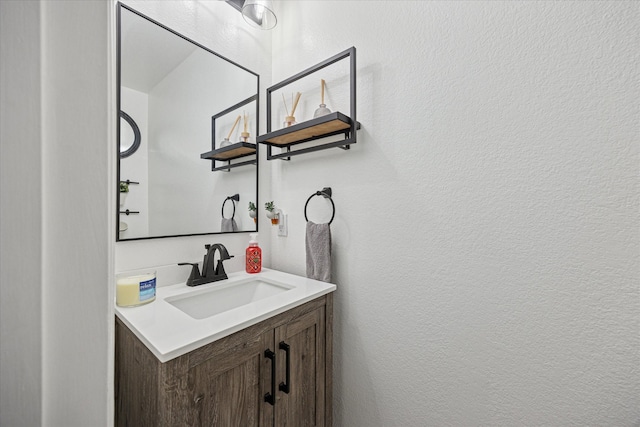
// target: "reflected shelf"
[[231, 152]]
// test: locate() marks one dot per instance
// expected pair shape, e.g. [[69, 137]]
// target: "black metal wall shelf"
[[232, 151], [335, 123]]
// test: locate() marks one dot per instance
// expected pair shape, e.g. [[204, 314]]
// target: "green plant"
[[252, 207], [269, 206], [124, 187]]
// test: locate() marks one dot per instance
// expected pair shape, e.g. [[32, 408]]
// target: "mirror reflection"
[[170, 88], [129, 135]]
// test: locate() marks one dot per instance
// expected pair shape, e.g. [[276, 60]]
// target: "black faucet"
[[209, 272]]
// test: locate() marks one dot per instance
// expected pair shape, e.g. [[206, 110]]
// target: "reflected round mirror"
[[173, 95], [129, 135]]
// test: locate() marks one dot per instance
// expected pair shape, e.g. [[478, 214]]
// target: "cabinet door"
[[228, 388], [304, 341]]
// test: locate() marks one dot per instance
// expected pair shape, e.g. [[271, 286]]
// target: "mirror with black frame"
[[169, 89]]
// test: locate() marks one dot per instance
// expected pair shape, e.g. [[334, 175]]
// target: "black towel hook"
[[235, 197], [326, 193]]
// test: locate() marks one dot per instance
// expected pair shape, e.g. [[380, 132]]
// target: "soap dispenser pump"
[[254, 255]]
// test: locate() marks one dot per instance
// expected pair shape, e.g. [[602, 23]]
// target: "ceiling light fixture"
[[257, 13]]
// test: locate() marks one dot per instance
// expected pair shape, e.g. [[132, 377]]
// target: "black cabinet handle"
[[286, 386], [271, 397]]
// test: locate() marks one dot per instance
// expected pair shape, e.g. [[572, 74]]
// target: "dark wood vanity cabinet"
[[231, 382]]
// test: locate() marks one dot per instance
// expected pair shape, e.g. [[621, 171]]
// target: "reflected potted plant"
[[272, 214], [124, 190], [253, 212]]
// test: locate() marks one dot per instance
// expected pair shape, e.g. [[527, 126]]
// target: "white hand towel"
[[228, 224], [318, 246]]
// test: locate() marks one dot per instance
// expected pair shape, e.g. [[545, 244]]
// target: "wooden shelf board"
[[312, 129], [230, 152]]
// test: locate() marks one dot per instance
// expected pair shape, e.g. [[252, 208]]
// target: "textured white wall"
[[486, 245], [77, 222], [20, 215]]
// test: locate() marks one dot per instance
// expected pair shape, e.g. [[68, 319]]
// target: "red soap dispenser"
[[254, 255]]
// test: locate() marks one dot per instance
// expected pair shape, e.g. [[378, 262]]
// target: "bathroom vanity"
[[267, 362]]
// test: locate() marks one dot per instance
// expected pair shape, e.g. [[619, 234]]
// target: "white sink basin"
[[205, 303]]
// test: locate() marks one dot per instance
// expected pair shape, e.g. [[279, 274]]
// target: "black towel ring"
[[326, 193], [235, 198]]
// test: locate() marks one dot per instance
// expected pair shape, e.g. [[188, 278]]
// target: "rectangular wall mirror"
[[169, 89]]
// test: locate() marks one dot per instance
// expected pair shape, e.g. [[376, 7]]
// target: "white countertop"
[[169, 332]]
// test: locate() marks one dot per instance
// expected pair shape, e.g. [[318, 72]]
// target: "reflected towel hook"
[[235, 197], [326, 193]]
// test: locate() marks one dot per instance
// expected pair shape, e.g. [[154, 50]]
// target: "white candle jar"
[[134, 290]]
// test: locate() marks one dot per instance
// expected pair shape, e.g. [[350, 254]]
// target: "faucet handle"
[[195, 273]]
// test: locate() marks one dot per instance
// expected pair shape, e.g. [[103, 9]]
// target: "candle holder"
[[135, 290]]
